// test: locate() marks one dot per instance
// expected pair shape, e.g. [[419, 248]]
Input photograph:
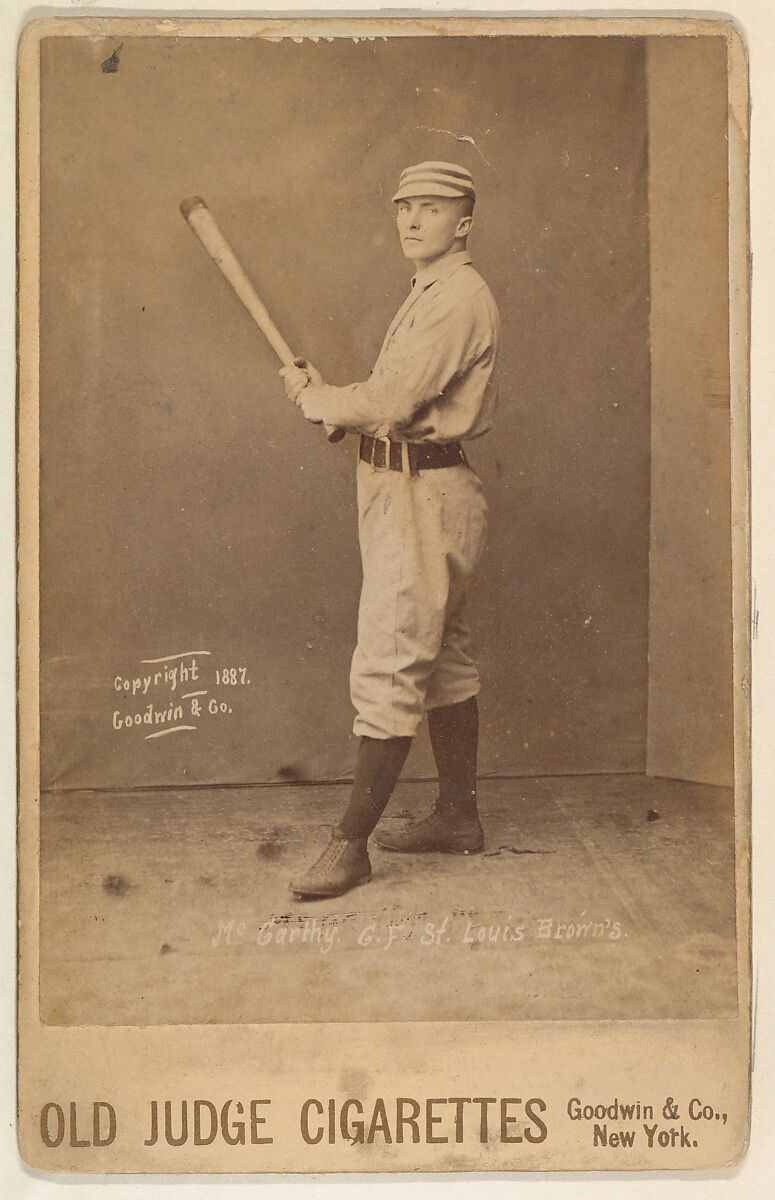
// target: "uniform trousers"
[[421, 537]]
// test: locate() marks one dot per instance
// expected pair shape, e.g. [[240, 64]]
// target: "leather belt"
[[423, 456]]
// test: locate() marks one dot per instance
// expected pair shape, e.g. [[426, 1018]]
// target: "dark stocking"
[[454, 731], [377, 769]]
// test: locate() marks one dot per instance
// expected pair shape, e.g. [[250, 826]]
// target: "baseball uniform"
[[421, 521], [421, 531]]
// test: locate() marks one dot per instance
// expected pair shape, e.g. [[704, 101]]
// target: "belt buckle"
[[385, 443]]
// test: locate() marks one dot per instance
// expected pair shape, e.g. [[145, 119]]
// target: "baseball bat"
[[202, 222]]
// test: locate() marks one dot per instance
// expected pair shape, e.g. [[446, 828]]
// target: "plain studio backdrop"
[[186, 505]]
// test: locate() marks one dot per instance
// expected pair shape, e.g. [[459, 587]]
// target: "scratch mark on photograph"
[[466, 138]]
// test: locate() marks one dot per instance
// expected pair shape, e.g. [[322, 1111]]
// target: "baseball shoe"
[[453, 833], [343, 865]]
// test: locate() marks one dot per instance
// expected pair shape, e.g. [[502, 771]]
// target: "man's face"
[[428, 226]]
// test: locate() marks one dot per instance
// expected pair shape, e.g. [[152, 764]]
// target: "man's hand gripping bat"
[[203, 224]]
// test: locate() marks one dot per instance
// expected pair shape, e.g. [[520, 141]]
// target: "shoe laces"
[[429, 819], [331, 855]]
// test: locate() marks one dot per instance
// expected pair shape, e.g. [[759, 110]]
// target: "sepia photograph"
[[263, 643], [389, 597]]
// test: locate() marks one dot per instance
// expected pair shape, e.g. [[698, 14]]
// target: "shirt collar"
[[440, 269]]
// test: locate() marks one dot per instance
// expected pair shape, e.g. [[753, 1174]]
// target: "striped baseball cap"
[[435, 179]]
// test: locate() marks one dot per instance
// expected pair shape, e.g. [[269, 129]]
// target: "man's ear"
[[464, 226]]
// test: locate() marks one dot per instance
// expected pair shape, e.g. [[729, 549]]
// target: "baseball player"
[[421, 523]]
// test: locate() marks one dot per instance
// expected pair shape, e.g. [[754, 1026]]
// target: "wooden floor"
[[605, 896]]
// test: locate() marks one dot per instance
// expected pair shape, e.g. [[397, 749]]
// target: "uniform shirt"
[[433, 380]]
